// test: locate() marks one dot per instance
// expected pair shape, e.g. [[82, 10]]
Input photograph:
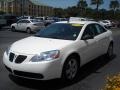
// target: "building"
[[26, 7]]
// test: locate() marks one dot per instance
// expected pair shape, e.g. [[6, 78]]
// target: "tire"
[[110, 53], [13, 29], [28, 30], [70, 69]]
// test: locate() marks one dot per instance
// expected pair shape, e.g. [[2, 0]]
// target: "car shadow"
[[18, 31], [85, 71]]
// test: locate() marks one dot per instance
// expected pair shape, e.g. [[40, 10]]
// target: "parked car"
[[46, 20], [7, 20], [116, 23], [59, 50], [40, 18], [106, 23], [28, 25], [49, 20], [77, 19], [3, 21], [26, 17]]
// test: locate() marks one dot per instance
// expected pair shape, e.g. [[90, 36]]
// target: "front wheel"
[[70, 69], [28, 30], [13, 29]]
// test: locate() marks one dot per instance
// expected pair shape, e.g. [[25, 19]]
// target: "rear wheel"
[[70, 69], [13, 29], [28, 30]]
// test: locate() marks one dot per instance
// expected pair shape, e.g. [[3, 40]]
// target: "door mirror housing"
[[86, 37]]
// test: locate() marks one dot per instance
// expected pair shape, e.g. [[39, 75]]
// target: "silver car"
[[28, 25]]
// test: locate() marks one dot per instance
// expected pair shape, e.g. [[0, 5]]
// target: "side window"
[[100, 29], [21, 21], [26, 21], [93, 29], [90, 30], [87, 31]]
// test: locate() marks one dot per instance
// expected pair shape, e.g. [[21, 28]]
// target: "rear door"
[[90, 49], [102, 38]]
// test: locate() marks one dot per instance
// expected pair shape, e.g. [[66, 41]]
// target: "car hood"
[[35, 45]]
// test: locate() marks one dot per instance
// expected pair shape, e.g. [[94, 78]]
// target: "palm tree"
[[114, 4], [82, 4], [97, 3]]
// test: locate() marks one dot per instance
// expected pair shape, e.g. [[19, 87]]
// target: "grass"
[[112, 82]]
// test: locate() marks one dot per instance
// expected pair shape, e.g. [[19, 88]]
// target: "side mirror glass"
[[86, 37]]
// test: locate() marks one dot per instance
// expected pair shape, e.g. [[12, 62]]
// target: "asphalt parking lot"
[[91, 77]]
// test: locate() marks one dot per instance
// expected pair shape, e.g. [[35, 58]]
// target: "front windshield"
[[60, 31]]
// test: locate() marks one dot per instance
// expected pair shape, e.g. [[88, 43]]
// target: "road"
[[91, 77]]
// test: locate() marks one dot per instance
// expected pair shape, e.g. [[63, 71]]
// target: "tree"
[[97, 3], [82, 5], [59, 12], [72, 11], [114, 4]]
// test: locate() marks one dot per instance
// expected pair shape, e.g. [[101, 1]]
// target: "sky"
[[66, 3]]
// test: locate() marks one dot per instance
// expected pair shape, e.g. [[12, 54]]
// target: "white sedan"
[[59, 50], [106, 23], [28, 25]]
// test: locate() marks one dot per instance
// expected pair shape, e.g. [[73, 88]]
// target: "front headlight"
[[8, 50], [46, 56]]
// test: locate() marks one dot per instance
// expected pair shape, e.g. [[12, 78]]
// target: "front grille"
[[11, 57], [20, 58], [27, 74]]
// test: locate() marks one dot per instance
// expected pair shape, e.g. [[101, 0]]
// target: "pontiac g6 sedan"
[[59, 50]]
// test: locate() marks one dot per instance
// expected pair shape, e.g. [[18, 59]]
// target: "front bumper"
[[43, 70]]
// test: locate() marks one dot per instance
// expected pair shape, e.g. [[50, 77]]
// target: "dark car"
[[10, 19], [7, 20]]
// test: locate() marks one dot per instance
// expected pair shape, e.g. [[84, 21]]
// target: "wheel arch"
[[72, 54], [68, 56], [13, 27], [28, 28]]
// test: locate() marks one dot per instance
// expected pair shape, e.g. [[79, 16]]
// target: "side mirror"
[[86, 37]]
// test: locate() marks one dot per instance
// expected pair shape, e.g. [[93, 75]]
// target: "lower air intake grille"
[[29, 75]]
